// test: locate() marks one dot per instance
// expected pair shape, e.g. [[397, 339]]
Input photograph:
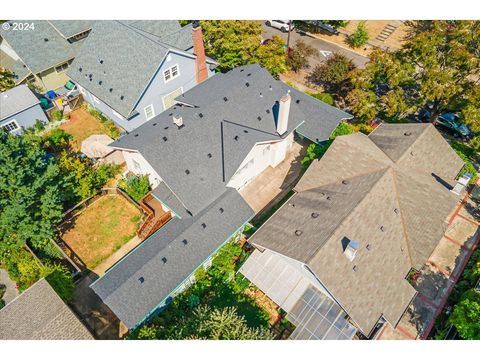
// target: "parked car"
[[282, 25], [327, 27], [447, 121]]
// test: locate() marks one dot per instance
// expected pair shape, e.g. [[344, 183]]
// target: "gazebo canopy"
[[96, 146]]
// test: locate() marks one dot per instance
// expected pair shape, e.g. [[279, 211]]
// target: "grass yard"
[[81, 125], [102, 229]]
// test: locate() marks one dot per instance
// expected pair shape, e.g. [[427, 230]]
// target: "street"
[[324, 48]]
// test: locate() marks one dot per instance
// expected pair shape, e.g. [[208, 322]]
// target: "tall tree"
[[30, 193], [6, 79], [438, 65], [234, 43], [298, 58], [466, 316], [334, 74]]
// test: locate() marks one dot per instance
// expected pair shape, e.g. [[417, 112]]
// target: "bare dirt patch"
[[102, 229]]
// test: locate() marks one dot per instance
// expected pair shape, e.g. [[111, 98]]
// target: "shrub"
[[466, 154], [325, 97], [23, 268], [61, 281], [136, 187], [56, 115], [39, 125], [475, 143], [298, 58], [57, 139], [466, 316], [360, 36]]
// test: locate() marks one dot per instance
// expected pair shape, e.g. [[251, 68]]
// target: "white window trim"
[[170, 93], [169, 70], [13, 121], [145, 111]]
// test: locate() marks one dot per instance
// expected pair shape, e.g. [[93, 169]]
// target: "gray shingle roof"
[[358, 192], [39, 314], [132, 300], [227, 130], [16, 100], [69, 28], [118, 60], [37, 53]]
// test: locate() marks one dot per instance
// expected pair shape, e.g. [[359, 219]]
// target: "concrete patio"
[[273, 183]]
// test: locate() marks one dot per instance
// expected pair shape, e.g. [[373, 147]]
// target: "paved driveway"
[[325, 48], [438, 277]]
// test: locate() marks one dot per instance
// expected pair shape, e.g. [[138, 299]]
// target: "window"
[[169, 99], [10, 126], [171, 73], [149, 112], [61, 68]]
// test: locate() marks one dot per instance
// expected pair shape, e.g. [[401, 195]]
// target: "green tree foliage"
[[325, 97], [237, 42], [466, 316], [6, 79], [337, 23], [30, 193], [360, 36], [60, 280], [438, 66], [298, 58], [57, 140], [334, 74], [136, 187]]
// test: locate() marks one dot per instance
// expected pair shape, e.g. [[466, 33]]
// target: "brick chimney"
[[201, 71], [282, 121]]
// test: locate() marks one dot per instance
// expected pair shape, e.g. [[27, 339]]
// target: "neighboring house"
[[133, 70], [371, 209], [40, 314], [20, 109], [222, 134], [41, 51]]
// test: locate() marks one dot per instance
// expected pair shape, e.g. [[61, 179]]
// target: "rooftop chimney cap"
[[177, 120], [351, 249]]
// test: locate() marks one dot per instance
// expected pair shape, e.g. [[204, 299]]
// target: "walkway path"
[[116, 256], [11, 291]]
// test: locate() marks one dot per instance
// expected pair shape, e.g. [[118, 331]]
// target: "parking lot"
[[438, 276]]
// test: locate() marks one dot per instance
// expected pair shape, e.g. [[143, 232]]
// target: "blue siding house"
[[132, 71], [20, 109]]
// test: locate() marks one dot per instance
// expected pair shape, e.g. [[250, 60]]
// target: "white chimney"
[[178, 120], [351, 250], [282, 121]]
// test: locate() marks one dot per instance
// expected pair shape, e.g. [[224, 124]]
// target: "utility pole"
[[288, 36]]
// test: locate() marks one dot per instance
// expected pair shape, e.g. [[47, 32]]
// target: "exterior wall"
[[258, 159], [7, 49], [155, 92], [52, 80], [137, 164], [27, 118]]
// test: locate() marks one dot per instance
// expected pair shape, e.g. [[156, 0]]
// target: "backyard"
[[101, 229], [218, 288], [83, 123]]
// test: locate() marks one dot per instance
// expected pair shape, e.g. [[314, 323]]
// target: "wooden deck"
[[156, 216]]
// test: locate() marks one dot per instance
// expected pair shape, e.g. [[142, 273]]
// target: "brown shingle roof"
[[40, 314], [379, 191]]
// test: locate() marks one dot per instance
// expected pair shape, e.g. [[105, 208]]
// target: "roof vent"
[[245, 131], [111, 89], [355, 268], [45, 39], [298, 232], [344, 182], [178, 120], [122, 97], [101, 61], [164, 260], [259, 118], [382, 228], [329, 198], [154, 124], [236, 137], [100, 82], [221, 210], [351, 249], [247, 84], [249, 74], [141, 279], [270, 87], [187, 172], [209, 155], [369, 247], [166, 127], [165, 138], [136, 135], [204, 225], [261, 95], [185, 241], [241, 70], [396, 211], [314, 215], [225, 99], [297, 101], [80, 69], [407, 133], [267, 111], [200, 115]]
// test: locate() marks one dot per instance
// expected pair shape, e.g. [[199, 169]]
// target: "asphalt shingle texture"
[[16, 100], [381, 192]]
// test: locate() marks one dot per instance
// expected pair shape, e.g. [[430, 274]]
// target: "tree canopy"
[[6, 79], [298, 58], [466, 316], [438, 66], [334, 74], [235, 43]]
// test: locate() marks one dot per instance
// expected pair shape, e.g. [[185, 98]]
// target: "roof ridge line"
[[422, 134], [139, 32], [347, 216]]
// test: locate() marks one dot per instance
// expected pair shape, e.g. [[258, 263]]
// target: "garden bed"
[[101, 229]]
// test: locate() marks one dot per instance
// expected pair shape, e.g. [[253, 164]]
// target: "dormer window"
[[171, 73]]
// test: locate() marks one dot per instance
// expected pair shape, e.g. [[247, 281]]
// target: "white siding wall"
[[137, 164], [258, 159]]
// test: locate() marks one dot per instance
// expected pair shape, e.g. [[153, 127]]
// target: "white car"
[[282, 25]]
